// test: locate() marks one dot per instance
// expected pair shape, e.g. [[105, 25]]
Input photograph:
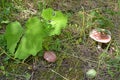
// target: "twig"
[[59, 74]]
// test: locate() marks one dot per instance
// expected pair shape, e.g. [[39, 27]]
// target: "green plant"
[[113, 66], [91, 19], [6, 8], [25, 42], [2, 41], [2, 69], [94, 18]]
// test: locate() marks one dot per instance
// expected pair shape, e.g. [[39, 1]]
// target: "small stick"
[[59, 74]]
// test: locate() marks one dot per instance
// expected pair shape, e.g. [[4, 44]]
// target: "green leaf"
[[5, 22], [59, 21], [2, 68], [56, 18], [47, 14], [31, 43], [35, 32], [27, 76], [13, 33], [94, 13]]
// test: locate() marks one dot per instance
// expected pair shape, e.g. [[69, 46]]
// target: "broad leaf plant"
[[23, 42]]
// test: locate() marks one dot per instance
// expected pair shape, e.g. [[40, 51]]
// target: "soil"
[[74, 57]]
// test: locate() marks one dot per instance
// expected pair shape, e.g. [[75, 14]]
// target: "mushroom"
[[91, 73], [101, 36], [50, 56]]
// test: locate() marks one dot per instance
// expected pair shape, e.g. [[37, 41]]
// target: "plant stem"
[[59, 74], [102, 56]]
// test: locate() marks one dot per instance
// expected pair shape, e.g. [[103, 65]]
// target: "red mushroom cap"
[[100, 35], [50, 56]]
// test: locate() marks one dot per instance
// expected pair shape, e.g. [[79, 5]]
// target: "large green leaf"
[[56, 19], [59, 21], [31, 43], [13, 33], [28, 47], [47, 14]]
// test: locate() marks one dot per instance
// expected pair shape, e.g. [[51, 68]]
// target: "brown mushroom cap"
[[100, 36], [50, 56]]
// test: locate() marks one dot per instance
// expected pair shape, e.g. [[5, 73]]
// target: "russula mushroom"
[[91, 73], [50, 56], [100, 35]]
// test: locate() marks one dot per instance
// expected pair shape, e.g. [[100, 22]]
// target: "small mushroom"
[[50, 56], [101, 36], [91, 73]]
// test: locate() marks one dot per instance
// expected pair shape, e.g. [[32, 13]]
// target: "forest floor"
[[76, 51]]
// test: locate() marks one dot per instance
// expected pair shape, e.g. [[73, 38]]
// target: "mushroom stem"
[[99, 46]]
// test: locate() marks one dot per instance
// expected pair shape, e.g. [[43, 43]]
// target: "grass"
[[76, 52]]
